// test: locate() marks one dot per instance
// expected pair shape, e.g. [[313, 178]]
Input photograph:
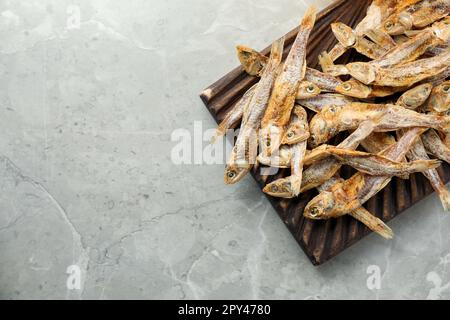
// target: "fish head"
[[398, 24], [362, 71], [440, 98], [414, 98], [308, 90], [321, 129], [298, 131], [281, 188], [344, 34], [234, 174], [251, 60], [353, 88], [321, 207]]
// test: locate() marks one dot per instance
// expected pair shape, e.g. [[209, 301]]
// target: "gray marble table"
[[92, 205]]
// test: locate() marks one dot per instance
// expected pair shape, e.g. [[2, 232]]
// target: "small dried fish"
[[316, 104], [418, 15], [361, 214], [418, 152], [415, 97], [378, 165], [332, 120], [244, 152], [435, 146], [403, 75], [354, 192], [285, 89]]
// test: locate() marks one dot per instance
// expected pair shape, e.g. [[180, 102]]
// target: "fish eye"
[[389, 25], [268, 143], [347, 86], [310, 89], [315, 211], [446, 89], [290, 135], [231, 174]]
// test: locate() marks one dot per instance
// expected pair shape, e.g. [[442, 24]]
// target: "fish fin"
[[373, 223]]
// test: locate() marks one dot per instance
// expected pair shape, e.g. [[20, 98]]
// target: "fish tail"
[[372, 222], [310, 18], [276, 53], [296, 185], [424, 165]]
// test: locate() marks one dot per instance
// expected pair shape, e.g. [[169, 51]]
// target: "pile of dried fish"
[[407, 46]]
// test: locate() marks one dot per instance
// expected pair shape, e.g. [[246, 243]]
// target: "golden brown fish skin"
[[361, 214], [298, 129], [439, 78], [234, 116], [418, 15], [381, 38], [354, 88], [378, 142], [403, 75], [332, 120], [251, 60], [435, 146], [317, 103], [377, 165], [439, 101], [382, 91], [283, 96], [418, 152], [415, 97], [323, 170], [347, 37], [353, 193]]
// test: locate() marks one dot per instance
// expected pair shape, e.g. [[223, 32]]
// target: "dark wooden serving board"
[[321, 240]]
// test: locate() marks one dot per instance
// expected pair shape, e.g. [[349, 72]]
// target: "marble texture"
[[90, 92]]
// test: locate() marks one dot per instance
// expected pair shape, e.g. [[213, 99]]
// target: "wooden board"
[[322, 240]]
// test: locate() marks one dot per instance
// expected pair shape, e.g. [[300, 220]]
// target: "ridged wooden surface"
[[322, 240]]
